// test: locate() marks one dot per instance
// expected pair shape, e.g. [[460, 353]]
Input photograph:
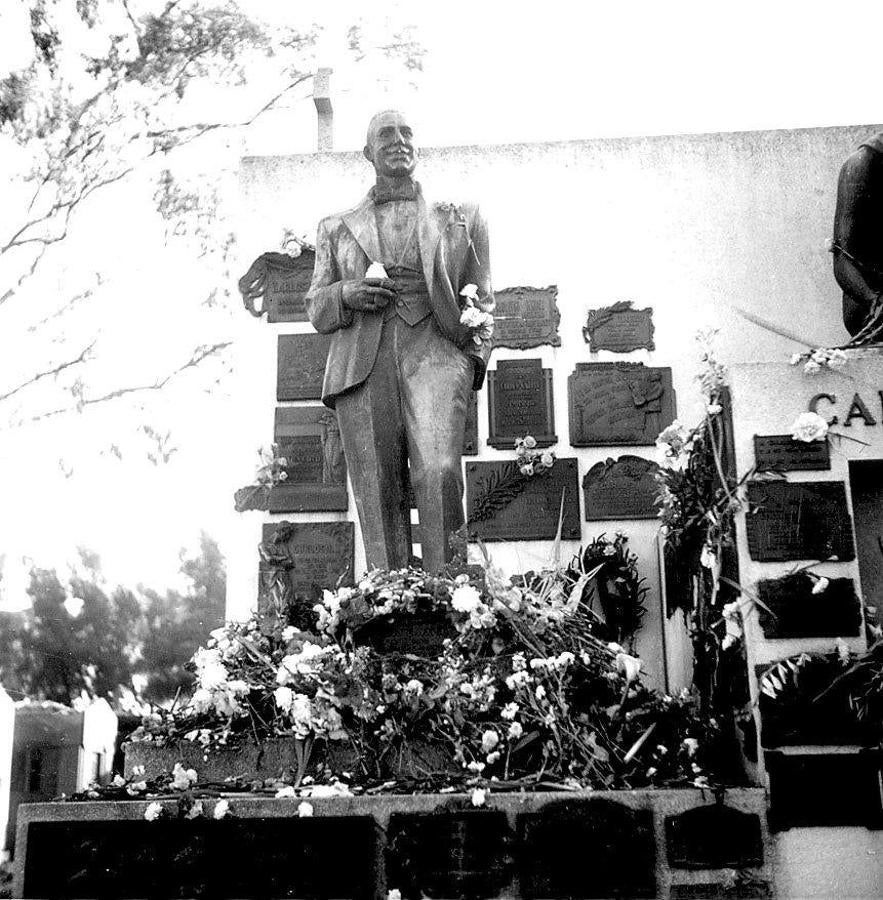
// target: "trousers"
[[403, 428]]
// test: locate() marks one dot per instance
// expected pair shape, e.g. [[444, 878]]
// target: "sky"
[[494, 72]]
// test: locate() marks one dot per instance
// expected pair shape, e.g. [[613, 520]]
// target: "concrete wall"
[[7, 728], [692, 226]]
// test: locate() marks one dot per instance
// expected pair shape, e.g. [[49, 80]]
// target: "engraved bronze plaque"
[[470, 435], [320, 555], [526, 317], [790, 609], [301, 366], [619, 328], [806, 520], [781, 453], [280, 281], [315, 473], [520, 403], [504, 505], [619, 403], [286, 289], [623, 488]]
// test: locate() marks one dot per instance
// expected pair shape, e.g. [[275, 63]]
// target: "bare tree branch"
[[199, 356], [77, 360]]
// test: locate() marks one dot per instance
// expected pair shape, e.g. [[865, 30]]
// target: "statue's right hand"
[[367, 294]]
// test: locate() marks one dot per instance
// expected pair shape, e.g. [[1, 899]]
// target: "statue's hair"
[[372, 125]]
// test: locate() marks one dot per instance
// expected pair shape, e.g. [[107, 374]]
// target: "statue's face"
[[391, 147]]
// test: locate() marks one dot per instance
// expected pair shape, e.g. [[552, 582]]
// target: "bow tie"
[[406, 191]]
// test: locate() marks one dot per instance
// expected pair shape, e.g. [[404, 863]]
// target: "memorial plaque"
[[470, 435], [714, 837], [422, 634], [309, 440], [526, 317], [301, 366], [790, 609], [321, 555], [623, 488], [781, 453], [791, 521], [520, 403], [587, 848], [281, 281], [504, 505], [619, 403], [619, 328], [129, 857]]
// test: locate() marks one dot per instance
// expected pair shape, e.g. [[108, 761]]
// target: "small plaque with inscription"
[[301, 366], [619, 328], [781, 453], [315, 473], [526, 317], [805, 520], [520, 403], [623, 488], [320, 555], [795, 606], [470, 435], [281, 282], [504, 505], [619, 403]]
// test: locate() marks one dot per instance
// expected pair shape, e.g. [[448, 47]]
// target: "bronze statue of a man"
[[407, 346], [858, 226]]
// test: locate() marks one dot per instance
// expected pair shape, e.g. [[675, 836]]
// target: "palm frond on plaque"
[[499, 489]]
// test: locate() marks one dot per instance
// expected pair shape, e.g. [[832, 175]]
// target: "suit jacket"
[[454, 252]]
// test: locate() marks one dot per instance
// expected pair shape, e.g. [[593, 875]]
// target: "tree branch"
[[199, 356], [49, 372]]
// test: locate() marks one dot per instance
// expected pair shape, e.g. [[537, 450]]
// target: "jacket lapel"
[[363, 225], [428, 236]]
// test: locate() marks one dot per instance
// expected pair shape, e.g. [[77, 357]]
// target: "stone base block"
[[614, 845]]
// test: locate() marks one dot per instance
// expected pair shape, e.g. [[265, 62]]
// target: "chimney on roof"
[[322, 99]]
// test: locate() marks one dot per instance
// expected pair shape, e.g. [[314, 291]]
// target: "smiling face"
[[390, 145]]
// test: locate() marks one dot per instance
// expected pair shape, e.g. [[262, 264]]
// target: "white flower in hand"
[[376, 270], [470, 292], [472, 317]]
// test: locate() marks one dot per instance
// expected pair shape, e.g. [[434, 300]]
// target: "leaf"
[[527, 739]]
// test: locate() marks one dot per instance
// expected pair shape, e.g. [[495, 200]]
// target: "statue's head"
[[389, 145]]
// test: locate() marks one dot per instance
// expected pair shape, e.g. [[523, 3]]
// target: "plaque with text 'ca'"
[[317, 556], [504, 505], [526, 317], [619, 328], [520, 403], [301, 366], [619, 403], [623, 488], [804, 520], [781, 453], [280, 282], [315, 472]]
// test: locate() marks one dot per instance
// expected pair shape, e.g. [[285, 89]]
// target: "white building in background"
[[57, 750]]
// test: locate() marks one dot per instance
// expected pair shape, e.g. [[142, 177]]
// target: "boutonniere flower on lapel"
[[481, 323]]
